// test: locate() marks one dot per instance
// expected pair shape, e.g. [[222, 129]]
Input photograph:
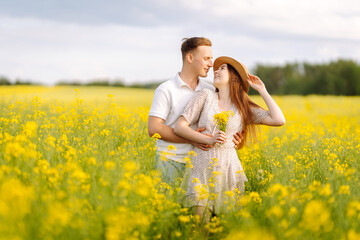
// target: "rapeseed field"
[[77, 163]]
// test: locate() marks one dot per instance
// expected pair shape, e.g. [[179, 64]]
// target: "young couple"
[[186, 103]]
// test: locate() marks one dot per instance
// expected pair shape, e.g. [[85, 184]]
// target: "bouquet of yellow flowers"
[[222, 118]]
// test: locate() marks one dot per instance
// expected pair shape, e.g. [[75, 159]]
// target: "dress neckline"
[[233, 108]]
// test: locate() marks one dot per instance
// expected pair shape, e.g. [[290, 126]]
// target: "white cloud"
[[253, 31], [48, 50], [326, 19]]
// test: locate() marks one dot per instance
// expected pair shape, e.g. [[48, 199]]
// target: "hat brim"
[[239, 67]]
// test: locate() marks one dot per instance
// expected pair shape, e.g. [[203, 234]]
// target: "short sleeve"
[[195, 106], [161, 104], [259, 114]]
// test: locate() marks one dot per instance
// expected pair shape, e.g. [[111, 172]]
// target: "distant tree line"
[[6, 81], [116, 83], [98, 82], [341, 77]]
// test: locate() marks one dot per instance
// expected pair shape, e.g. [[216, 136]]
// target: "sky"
[[139, 41]]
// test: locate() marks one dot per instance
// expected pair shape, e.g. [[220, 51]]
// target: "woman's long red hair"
[[243, 103]]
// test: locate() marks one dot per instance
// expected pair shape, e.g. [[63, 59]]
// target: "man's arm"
[[156, 125]]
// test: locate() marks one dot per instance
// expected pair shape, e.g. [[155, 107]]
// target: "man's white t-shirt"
[[170, 100]]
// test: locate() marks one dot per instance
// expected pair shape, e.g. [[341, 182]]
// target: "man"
[[170, 99]]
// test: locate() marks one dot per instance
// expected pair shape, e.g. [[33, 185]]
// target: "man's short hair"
[[190, 44]]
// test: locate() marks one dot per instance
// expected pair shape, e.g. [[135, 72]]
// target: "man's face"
[[202, 63]]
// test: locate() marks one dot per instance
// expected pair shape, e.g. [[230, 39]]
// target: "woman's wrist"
[[263, 91], [208, 140]]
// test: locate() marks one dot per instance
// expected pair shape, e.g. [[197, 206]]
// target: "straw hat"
[[239, 67]]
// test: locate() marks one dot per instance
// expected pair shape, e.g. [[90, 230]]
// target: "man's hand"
[[238, 137], [204, 147]]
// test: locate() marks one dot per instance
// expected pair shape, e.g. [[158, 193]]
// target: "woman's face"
[[221, 76]]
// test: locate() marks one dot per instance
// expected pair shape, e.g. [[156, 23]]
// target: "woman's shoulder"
[[206, 92], [204, 95]]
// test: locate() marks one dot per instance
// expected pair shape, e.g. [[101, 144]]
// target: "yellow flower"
[[252, 234], [15, 201], [326, 190], [91, 161], [195, 180], [130, 166], [214, 225], [316, 217], [244, 200], [192, 153], [109, 165], [156, 136], [14, 149], [30, 129], [344, 189], [58, 216], [353, 209], [184, 219], [222, 118], [202, 192], [171, 148], [230, 193], [144, 185], [255, 197], [188, 162], [352, 235], [278, 188], [275, 211], [292, 211]]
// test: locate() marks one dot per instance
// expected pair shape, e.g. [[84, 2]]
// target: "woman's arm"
[[183, 129], [276, 117]]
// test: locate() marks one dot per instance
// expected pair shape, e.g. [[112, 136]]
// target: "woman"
[[216, 172]]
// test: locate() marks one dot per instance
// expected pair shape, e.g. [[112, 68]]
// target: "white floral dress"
[[217, 171]]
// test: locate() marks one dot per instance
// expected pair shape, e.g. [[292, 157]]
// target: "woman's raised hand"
[[255, 82], [219, 137]]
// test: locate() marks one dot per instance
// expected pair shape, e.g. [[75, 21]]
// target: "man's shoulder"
[[166, 86]]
